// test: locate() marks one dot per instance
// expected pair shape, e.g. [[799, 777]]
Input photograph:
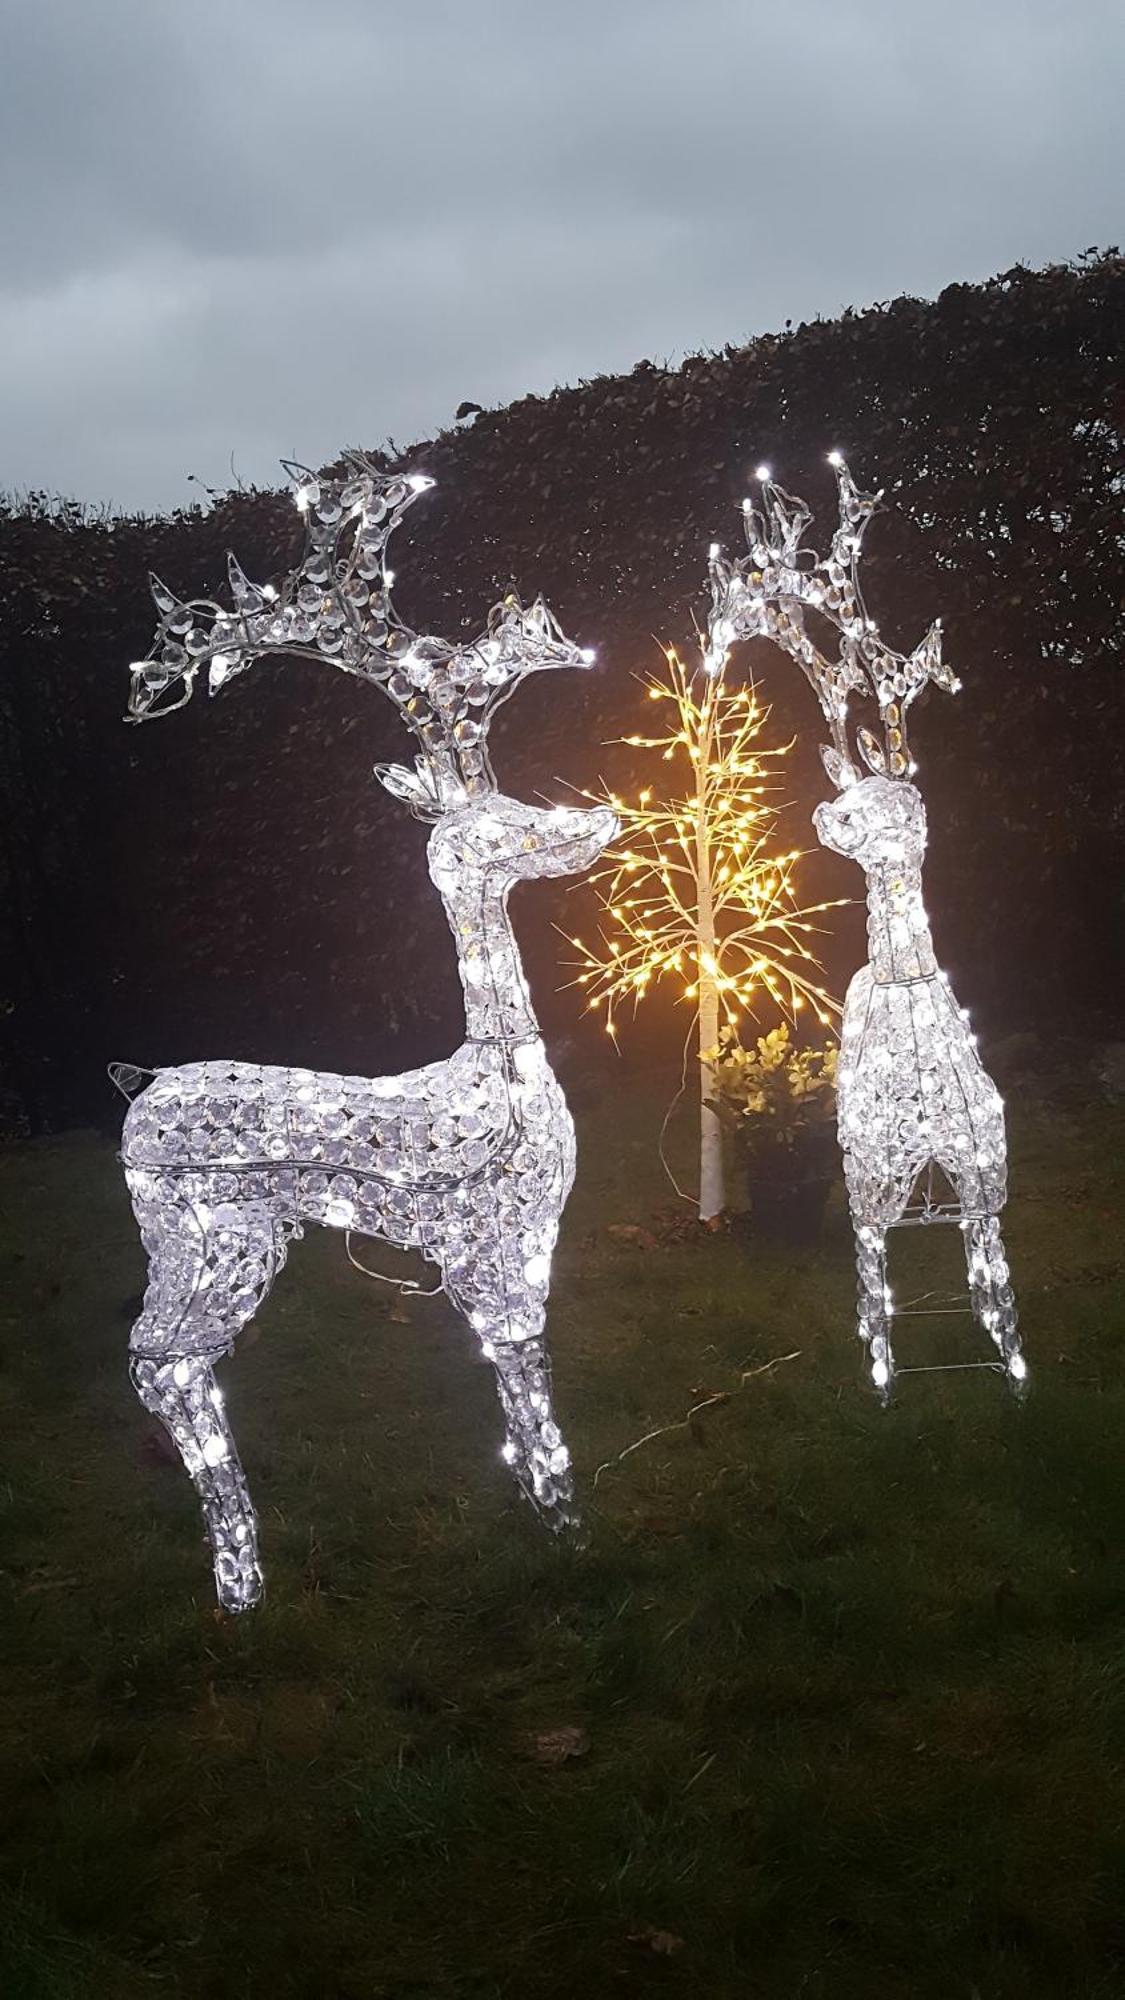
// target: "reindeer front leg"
[[504, 1297], [875, 1197], [877, 1200], [533, 1444], [874, 1318]]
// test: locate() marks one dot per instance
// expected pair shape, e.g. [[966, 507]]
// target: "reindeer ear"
[[410, 786], [838, 768], [871, 752], [428, 789], [164, 599], [247, 596]]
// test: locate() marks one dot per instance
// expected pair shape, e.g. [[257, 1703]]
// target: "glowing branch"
[[709, 844]]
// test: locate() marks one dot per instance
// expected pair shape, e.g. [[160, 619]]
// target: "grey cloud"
[[268, 227]]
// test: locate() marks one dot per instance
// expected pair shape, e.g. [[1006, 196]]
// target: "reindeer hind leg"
[[204, 1285], [183, 1394], [991, 1295]]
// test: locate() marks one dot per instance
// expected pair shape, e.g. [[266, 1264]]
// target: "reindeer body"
[[468, 1161], [912, 1092]]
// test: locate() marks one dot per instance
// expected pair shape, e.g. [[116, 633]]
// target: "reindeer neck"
[[898, 932], [497, 1003]]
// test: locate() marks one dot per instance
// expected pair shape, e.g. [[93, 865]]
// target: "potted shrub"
[[779, 1102]]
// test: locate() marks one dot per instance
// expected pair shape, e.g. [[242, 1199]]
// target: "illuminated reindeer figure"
[[469, 1160], [912, 1093]]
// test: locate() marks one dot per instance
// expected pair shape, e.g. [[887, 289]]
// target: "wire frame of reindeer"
[[469, 1160], [913, 1094]]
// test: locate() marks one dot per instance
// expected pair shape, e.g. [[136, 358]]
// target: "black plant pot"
[[786, 1209]]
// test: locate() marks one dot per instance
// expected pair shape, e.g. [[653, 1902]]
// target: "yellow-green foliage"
[[775, 1097]]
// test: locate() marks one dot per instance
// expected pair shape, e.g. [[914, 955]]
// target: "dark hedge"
[[234, 881]]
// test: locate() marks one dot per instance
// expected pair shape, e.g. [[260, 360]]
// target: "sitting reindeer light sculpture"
[[469, 1160], [912, 1092]]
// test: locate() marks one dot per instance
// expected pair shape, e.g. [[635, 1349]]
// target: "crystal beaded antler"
[[337, 606], [766, 594]]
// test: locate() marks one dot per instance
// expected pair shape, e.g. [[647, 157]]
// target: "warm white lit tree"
[[694, 891]]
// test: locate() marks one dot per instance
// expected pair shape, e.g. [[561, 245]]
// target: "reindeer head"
[[489, 844], [872, 820], [768, 593]]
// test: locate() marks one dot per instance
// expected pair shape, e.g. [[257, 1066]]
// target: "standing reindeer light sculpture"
[[912, 1092], [469, 1160]]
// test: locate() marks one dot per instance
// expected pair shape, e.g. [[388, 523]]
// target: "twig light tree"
[[693, 892]]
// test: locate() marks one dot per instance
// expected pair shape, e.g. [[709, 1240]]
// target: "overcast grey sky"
[[265, 227]]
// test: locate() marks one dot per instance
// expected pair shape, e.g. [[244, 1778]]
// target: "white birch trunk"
[[712, 1185]]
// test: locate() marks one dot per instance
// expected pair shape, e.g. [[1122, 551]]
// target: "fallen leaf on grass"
[[557, 1746], [631, 1232], [681, 1224], [663, 1942], [43, 1580]]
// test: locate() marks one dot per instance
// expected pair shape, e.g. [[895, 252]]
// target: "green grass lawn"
[[851, 1683]]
